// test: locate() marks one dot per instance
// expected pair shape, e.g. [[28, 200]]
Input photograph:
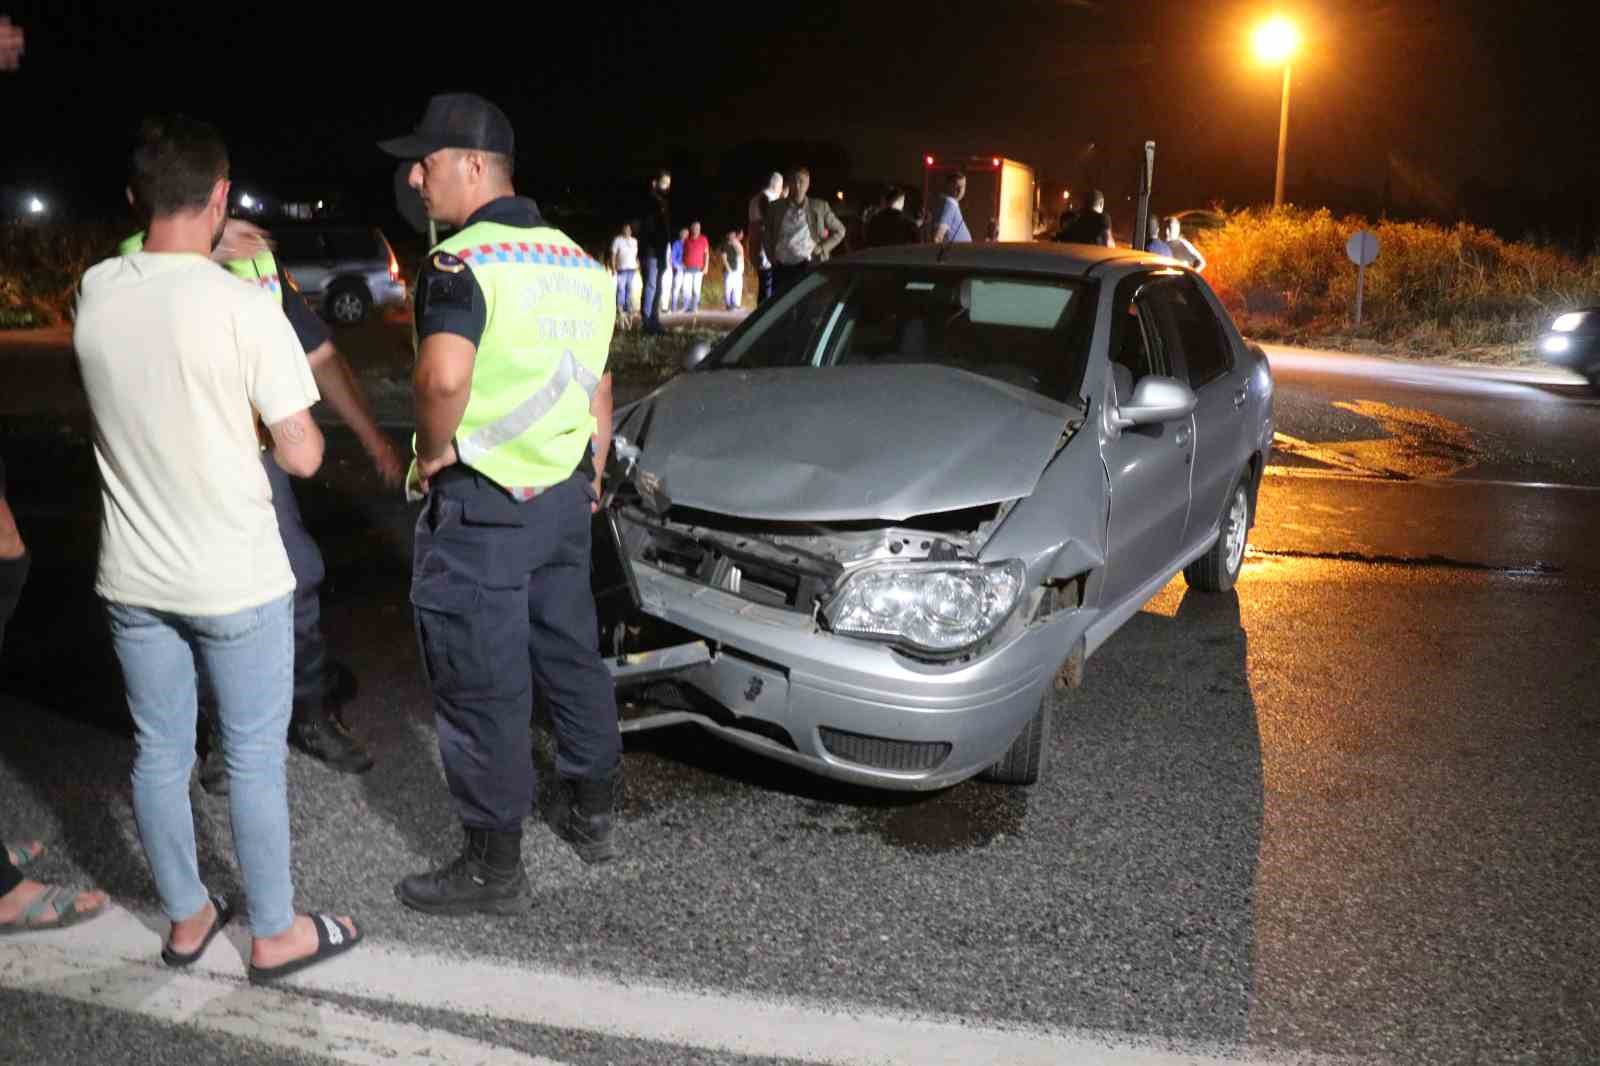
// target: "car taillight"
[[394, 267]]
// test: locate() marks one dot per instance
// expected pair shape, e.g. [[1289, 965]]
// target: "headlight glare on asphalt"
[[1567, 323], [937, 607]]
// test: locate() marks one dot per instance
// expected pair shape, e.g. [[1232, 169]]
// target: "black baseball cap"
[[455, 120]]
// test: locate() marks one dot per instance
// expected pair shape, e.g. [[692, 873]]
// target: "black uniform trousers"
[[305, 559], [502, 600]]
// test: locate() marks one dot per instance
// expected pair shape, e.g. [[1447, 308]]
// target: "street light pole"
[[1283, 139], [1276, 41]]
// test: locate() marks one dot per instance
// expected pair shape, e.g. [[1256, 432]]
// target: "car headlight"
[[934, 607], [1555, 345], [1567, 323]]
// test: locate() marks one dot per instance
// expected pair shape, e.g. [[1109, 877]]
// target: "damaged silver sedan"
[[868, 531]]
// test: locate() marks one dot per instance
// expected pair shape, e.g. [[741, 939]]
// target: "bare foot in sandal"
[[299, 941], [32, 905]]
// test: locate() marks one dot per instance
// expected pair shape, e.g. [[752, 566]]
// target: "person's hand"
[[594, 504], [386, 460], [240, 240], [429, 465], [11, 42]]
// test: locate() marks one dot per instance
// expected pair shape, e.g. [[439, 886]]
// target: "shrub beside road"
[[1456, 291]]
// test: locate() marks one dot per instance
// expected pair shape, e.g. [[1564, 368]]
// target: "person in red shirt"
[[696, 254]]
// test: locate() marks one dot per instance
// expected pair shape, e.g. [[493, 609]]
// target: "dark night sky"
[[1425, 95]]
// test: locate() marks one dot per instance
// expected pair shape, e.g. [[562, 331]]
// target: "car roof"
[[1073, 260]]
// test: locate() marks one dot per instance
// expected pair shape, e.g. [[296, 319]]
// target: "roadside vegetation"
[[40, 265], [1456, 291]]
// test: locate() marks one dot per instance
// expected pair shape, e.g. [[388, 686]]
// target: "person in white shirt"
[[1182, 249], [625, 265], [187, 368]]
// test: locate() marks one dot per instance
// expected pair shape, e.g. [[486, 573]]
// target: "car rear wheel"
[[347, 305], [1024, 761], [1218, 569]]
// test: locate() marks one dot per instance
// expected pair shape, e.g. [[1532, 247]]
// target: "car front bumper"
[[856, 710]]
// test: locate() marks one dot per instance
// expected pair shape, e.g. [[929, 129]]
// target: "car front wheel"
[[347, 305], [1218, 569], [1024, 761]]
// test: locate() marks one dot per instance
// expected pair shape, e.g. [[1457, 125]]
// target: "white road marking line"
[[108, 962], [264, 1016]]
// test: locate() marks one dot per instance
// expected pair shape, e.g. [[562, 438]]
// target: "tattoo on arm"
[[292, 430]]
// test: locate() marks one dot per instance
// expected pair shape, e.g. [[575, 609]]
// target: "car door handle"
[[1240, 397]]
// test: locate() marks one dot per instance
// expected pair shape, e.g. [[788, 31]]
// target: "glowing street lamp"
[[1276, 41], [35, 206]]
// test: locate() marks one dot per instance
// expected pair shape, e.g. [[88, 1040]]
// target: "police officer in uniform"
[[513, 327], [316, 727]]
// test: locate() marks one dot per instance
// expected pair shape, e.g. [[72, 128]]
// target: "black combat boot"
[[318, 732], [486, 878], [586, 824]]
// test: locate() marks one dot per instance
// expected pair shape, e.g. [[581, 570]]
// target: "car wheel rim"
[[1238, 522], [346, 308]]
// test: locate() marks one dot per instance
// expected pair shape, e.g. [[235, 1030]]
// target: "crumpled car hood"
[[843, 443]]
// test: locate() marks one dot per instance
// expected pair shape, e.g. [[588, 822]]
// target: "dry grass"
[[1434, 290], [40, 266]]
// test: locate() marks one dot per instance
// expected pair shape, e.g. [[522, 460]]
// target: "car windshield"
[[1028, 331]]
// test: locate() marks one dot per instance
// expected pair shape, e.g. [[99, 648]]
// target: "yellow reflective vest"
[[262, 270], [546, 338]]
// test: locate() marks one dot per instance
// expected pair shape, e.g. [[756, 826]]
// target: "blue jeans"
[[249, 658], [624, 288], [650, 303]]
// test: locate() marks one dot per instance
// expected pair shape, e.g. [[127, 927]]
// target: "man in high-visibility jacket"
[[513, 404], [316, 726]]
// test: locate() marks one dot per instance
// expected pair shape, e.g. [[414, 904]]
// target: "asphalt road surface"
[[1346, 813]]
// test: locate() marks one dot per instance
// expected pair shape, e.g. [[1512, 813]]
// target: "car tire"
[[1218, 568], [1024, 761], [346, 305]]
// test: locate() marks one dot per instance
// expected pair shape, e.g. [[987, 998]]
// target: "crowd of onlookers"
[[786, 230]]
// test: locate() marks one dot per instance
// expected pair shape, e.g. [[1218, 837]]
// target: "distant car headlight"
[[1567, 323], [932, 607]]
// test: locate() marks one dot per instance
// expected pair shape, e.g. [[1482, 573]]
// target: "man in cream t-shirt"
[[179, 358]]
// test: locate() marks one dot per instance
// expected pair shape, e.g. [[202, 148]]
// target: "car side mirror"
[[1155, 399], [696, 355]]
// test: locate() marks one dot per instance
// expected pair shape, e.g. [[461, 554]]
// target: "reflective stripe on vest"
[[524, 415]]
